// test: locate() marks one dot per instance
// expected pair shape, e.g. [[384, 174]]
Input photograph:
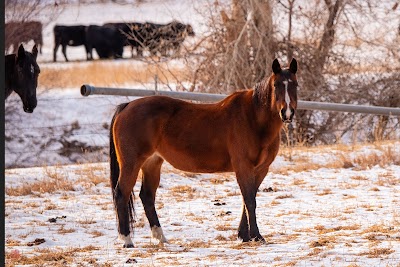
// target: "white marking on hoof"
[[157, 233], [127, 241]]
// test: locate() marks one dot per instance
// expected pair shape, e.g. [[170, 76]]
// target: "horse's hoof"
[[128, 246], [244, 239]]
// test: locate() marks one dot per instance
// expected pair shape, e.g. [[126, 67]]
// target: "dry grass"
[[182, 192], [198, 244], [377, 252], [284, 196], [323, 242], [64, 230], [379, 229], [93, 174], [323, 230], [300, 157], [96, 233], [42, 186], [225, 227], [326, 191], [53, 257], [105, 73], [57, 180], [12, 242]]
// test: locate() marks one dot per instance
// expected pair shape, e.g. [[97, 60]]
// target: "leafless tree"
[[331, 46], [237, 51]]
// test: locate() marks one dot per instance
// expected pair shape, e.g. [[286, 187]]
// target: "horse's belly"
[[192, 161]]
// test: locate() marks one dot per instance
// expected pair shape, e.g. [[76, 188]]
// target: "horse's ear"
[[276, 67], [21, 51], [293, 66], [35, 51], [20, 55]]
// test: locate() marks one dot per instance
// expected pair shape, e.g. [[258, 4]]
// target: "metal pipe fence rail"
[[87, 90]]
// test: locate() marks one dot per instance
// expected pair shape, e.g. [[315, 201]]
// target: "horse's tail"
[[114, 171]]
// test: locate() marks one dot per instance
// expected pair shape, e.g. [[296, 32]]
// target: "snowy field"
[[333, 206], [327, 206]]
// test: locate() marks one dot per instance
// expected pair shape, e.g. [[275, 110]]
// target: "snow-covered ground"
[[333, 206]]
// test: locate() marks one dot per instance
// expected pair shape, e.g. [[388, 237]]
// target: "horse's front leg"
[[243, 232], [249, 199], [249, 181]]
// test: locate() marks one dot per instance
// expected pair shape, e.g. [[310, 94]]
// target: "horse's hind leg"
[[123, 201], [151, 179]]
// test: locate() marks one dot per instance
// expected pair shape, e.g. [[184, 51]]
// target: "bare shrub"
[[244, 37]]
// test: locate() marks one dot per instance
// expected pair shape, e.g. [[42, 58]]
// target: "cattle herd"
[[108, 40]]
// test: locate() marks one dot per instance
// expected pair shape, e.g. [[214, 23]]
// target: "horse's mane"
[[263, 92]]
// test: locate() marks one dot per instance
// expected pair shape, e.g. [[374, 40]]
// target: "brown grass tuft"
[[377, 252], [43, 186], [284, 196], [105, 73], [183, 192], [46, 257], [323, 241]]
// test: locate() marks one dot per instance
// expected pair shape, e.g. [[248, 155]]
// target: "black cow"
[[107, 40], [68, 35], [132, 34], [164, 38], [17, 32], [173, 35]]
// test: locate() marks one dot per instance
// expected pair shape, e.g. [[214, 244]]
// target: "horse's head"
[[285, 84], [27, 71]]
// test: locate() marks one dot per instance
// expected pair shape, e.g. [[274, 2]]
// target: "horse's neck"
[[264, 95], [264, 99], [10, 82]]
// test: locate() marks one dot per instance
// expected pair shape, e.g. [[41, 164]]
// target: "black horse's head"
[[27, 72], [285, 84]]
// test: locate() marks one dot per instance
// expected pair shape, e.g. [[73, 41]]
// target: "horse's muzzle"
[[287, 115], [29, 108], [29, 105]]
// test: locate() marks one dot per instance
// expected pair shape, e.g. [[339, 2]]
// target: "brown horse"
[[239, 134]]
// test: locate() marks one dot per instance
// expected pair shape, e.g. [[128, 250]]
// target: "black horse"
[[22, 73]]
